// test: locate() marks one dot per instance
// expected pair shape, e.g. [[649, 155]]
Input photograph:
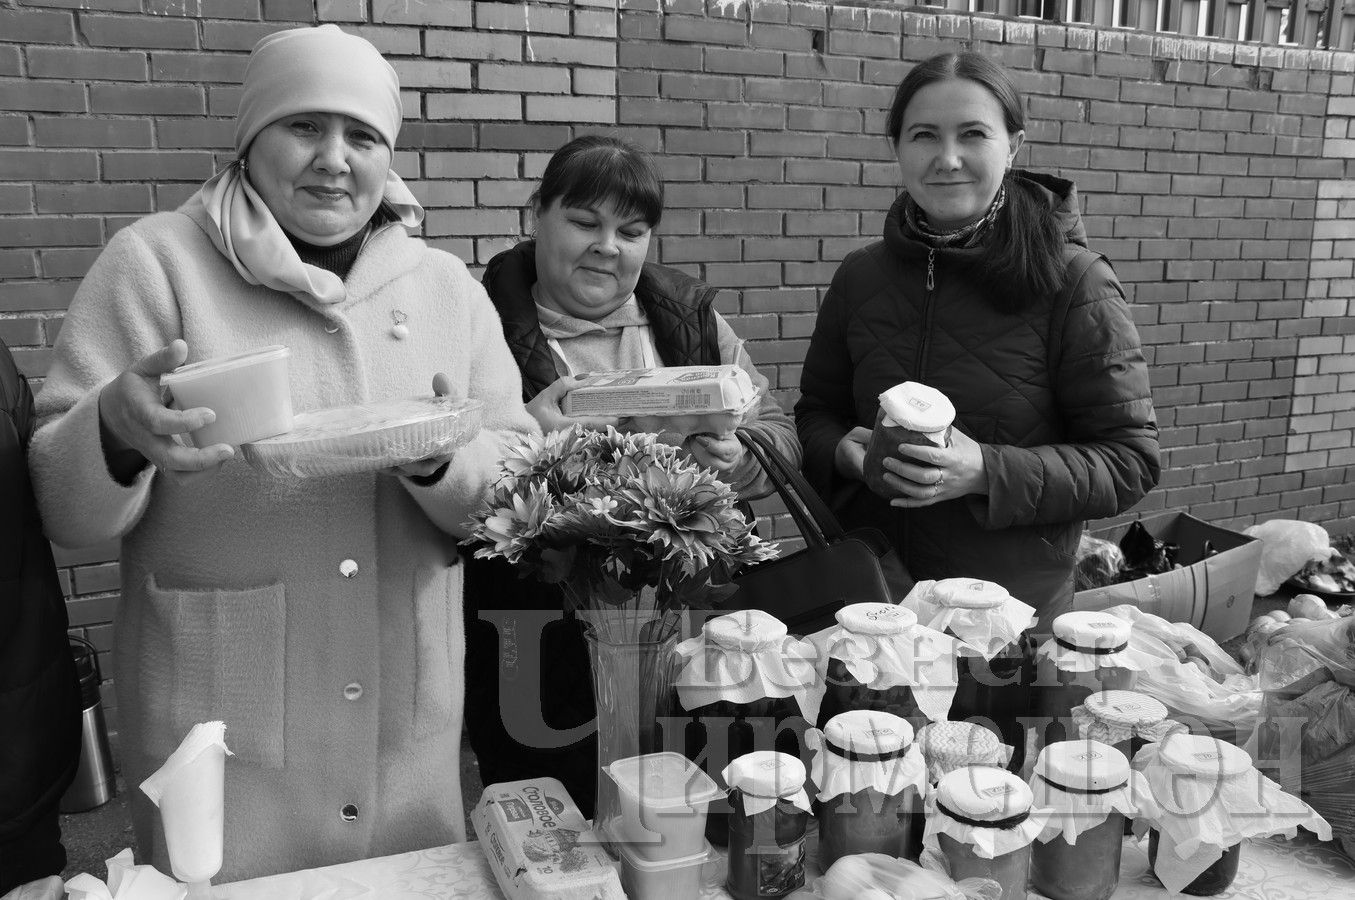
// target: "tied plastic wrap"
[[1132, 658], [189, 790], [763, 661], [835, 775], [1227, 697], [1072, 813], [367, 437], [947, 746], [1201, 815], [875, 876], [126, 881], [1286, 547], [915, 656], [988, 843], [985, 630]]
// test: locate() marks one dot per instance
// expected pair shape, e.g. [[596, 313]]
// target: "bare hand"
[[927, 475], [723, 454], [49, 888], [133, 416], [545, 408], [850, 457], [422, 468]]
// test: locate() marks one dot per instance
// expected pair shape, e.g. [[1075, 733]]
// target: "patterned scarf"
[[970, 235]]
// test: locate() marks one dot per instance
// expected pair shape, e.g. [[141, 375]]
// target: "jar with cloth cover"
[[947, 746], [769, 815], [1210, 798], [1124, 719], [870, 777], [1088, 653], [1091, 792], [879, 657], [994, 665], [743, 686], [980, 824]]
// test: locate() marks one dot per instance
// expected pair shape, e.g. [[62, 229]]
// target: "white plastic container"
[[250, 393], [664, 800], [673, 879]]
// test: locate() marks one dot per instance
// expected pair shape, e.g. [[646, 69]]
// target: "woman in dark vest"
[[580, 298]]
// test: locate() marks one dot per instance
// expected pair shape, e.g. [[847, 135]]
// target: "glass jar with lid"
[[1089, 652], [1210, 798], [743, 685], [769, 815], [995, 666], [870, 778], [1091, 792], [1124, 719], [880, 658], [981, 821]]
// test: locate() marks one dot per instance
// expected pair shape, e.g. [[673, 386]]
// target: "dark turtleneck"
[[338, 258]]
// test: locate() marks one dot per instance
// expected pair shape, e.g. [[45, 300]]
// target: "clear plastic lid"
[[1125, 708], [747, 629], [868, 731], [1203, 756], [664, 781], [876, 618], [209, 367], [969, 593], [917, 407], [1091, 630], [1083, 766]]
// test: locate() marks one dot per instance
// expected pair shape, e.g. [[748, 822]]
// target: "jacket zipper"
[[922, 348]]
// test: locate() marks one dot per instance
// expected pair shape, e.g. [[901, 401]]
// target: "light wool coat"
[[342, 696]]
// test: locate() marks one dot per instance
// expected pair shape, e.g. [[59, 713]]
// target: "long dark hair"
[[1026, 247], [598, 168]]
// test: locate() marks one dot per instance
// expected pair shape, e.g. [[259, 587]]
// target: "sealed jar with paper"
[[1091, 792], [910, 413], [870, 778], [981, 823], [1089, 652], [880, 658], [1210, 799], [995, 667], [768, 819], [947, 746], [744, 685], [1124, 719]]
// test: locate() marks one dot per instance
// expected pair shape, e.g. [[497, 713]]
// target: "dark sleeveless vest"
[[678, 307]]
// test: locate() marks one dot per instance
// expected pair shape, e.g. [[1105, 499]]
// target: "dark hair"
[[1027, 241], [597, 168]]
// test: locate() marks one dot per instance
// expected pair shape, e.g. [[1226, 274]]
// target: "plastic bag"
[[1287, 546], [1099, 562], [866, 876]]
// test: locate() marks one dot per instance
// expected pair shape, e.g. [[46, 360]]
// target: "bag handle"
[[816, 521]]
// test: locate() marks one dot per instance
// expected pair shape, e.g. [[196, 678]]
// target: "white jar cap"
[[969, 593], [955, 744], [985, 793], [876, 618], [1128, 709], [1200, 755], [766, 773], [1092, 630], [747, 629], [870, 732], [1083, 766], [917, 407]]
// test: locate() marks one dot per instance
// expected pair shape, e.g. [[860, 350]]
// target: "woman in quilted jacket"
[[983, 288]]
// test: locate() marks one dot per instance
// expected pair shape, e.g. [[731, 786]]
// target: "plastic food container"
[[664, 800], [673, 879], [910, 413], [250, 393]]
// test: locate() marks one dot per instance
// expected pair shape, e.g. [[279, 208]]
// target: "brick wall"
[[1215, 174]]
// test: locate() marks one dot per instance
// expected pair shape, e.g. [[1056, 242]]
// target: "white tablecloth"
[[1273, 869]]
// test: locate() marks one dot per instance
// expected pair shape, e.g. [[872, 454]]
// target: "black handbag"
[[807, 588]]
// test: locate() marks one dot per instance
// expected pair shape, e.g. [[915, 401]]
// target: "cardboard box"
[[1214, 594]]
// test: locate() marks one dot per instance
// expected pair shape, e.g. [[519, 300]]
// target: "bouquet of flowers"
[[632, 529]]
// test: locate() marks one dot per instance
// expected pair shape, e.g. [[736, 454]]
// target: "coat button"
[[348, 568], [349, 812], [352, 691]]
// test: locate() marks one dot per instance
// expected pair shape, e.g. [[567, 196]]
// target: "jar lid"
[[1091, 630], [208, 367], [918, 407], [969, 593], [747, 629], [876, 618], [1126, 708], [1197, 754], [985, 793], [959, 744], [868, 733], [766, 773], [1083, 766]]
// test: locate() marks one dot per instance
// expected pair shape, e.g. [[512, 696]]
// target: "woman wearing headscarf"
[[320, 618]]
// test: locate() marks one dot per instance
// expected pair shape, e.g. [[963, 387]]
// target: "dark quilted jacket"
[[39, 696], [1081, 448]]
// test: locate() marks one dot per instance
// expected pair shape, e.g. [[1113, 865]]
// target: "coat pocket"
[[215, 654], [439, 652]]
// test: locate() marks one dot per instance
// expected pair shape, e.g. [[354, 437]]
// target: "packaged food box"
[[539, 846], [674, 391]]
